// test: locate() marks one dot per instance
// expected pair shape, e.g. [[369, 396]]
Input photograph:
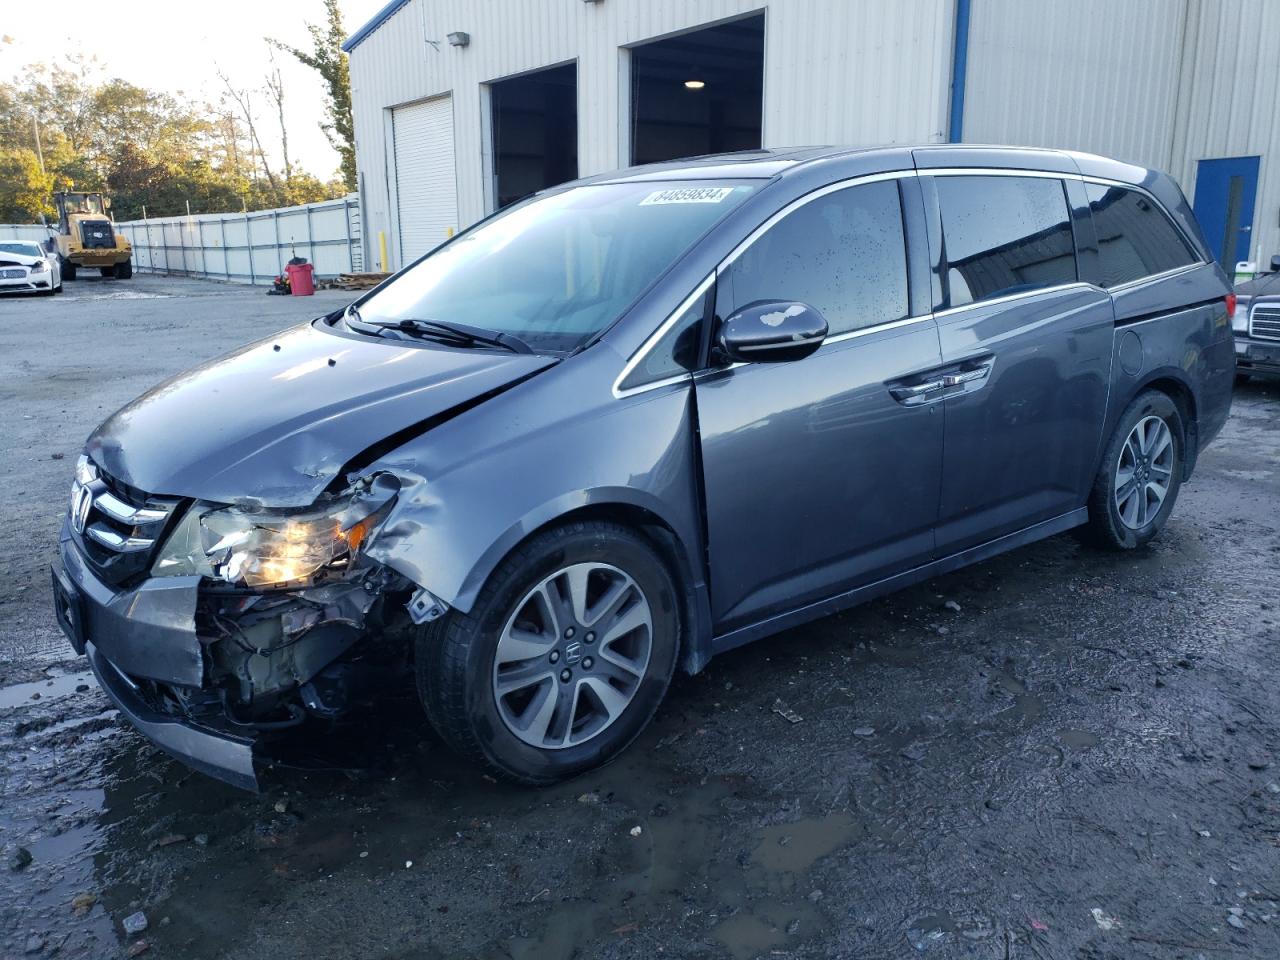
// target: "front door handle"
[[918, 392]]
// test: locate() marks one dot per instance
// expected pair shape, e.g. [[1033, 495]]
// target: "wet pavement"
[[1081, 761]]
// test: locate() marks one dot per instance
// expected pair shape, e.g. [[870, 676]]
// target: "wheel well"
[[1185, 401], [693, 643]]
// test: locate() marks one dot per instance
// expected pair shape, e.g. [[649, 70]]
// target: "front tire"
[[124, 271], [1141, 473], [68, 270], [563, 659]]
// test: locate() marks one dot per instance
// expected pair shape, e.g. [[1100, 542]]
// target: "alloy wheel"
[[1144, 472], [572, 655]]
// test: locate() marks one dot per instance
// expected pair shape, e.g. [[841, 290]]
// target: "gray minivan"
[[633, 422]]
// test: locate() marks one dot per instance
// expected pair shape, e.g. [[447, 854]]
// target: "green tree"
[[328, 59], [25, 191]]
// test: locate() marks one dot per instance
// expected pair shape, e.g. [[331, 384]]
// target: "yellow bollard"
[[382, 251], [449, 233]]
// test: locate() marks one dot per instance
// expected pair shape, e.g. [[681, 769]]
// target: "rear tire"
[[68, 270], [1140, 475], [124, 271], [524, 685], [1241, 379]]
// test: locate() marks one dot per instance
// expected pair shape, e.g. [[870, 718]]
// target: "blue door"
[[1225, 192]]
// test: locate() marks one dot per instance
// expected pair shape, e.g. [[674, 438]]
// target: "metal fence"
[[23, 231], [240, 247], [251, 247]]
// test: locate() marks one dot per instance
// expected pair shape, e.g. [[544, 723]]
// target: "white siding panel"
[[1230, 102], [426, 186], [1091, 75], [836, 71]]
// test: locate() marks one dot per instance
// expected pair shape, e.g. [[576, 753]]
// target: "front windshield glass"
[[26, 249], [90, 203], [558, 269]]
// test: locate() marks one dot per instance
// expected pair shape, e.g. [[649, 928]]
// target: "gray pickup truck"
[[1256, 325]]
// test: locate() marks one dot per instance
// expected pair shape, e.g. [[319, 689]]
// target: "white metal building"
[[462, 106]]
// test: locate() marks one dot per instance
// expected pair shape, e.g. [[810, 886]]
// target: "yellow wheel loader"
[[86, 237]]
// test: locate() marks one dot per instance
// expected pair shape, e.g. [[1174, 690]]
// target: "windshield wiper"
[[459, 334]]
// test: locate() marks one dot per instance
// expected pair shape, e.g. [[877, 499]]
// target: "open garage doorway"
[[698, 92], [535, 132]]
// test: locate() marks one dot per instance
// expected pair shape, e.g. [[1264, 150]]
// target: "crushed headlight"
[[274, 548]]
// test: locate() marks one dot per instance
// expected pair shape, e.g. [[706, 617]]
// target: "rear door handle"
[[967, 376]]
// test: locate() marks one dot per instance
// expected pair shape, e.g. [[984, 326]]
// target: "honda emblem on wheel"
[[572, 653]]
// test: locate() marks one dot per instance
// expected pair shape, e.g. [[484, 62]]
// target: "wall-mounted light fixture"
[[459, 39], [694, 84]]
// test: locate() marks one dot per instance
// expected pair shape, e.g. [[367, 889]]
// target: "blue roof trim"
[[378, 20]]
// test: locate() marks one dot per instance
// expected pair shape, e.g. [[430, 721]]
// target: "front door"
[[1225, 194], [823, 473], [1029, 348]]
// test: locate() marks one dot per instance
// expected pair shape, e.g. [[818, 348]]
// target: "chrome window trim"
[[1020, 295], [653, 339], [1162, 275], [638, 356]]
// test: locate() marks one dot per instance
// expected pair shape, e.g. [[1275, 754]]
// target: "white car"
[[24, 266]]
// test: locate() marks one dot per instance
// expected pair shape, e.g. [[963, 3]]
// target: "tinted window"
[[675, 353], [1135, 237], [843, 254], [1004, 235]]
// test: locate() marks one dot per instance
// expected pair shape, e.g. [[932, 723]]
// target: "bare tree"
[[244, 100], [275, 90]]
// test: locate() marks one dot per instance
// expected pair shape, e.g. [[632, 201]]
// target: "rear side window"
[[1135, 237], [1004, 235], [843, 254]]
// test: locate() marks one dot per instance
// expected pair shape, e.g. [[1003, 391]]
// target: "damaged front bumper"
[[204, 671], [148, 634]]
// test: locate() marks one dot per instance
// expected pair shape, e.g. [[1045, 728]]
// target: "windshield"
[[558, 269], [90, 203], [26, 249]]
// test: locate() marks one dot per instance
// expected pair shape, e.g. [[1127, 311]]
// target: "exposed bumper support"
[[225, 757]]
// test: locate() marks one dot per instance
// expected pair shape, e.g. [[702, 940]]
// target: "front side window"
[[843, 254], [558, 269], [1004, 235], [1135, 237]]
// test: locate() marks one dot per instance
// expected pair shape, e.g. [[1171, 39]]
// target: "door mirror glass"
[[1275, 264], [769, 331]]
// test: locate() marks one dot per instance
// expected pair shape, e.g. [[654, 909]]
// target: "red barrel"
[[301, 283]]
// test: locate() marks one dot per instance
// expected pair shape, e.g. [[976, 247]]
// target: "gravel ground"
[[1081, 761]]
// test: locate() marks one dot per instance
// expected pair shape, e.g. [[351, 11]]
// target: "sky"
[[178, 46]]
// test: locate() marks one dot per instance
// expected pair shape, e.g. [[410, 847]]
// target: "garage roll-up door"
[[426, 187]]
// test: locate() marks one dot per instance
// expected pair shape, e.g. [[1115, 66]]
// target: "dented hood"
[[276, 421]]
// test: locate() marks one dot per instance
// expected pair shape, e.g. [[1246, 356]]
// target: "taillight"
[[1231, 305]]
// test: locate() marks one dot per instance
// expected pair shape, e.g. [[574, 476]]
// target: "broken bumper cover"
[[147, 633], [219, 755]]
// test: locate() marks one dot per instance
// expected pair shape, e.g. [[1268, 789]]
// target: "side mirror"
[[1275, 264], [770, 331]]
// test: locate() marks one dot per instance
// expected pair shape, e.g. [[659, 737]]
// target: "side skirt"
[[935, 568]]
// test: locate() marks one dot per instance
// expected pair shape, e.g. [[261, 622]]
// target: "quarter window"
[[675, 353], [1135, 237], [1004, 235], [843, 254]]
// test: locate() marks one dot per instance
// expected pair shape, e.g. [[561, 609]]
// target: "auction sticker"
[[687, 195]]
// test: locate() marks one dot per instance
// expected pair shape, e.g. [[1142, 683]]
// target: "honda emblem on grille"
[[81, 504]]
